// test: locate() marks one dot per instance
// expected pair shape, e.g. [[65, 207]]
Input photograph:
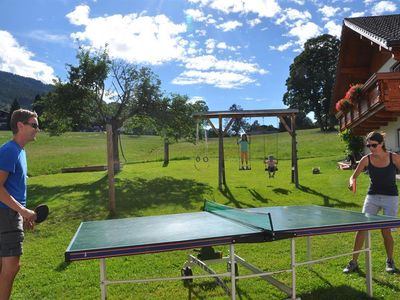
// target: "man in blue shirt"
[[14, 215]]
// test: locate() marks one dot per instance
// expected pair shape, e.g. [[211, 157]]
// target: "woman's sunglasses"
[[372, 145]]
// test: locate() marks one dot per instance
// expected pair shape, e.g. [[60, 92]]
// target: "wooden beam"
[[285, 125], [354, 70], [228, 125], [212, 126]]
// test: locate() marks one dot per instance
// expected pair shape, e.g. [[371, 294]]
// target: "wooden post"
[[221, 164], [295, 171], [110, 164]]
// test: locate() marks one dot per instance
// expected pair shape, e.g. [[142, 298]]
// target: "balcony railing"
[[380, 93]]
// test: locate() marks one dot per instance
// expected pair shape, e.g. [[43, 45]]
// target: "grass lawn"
[[144, 187]]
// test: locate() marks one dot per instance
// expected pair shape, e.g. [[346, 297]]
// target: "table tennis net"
[[261, 221]]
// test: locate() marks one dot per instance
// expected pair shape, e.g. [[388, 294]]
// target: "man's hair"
[[20, 115]]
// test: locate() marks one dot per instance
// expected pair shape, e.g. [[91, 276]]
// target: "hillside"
[[23, 89]]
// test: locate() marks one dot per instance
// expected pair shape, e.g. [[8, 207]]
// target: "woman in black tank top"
[[382, 193]]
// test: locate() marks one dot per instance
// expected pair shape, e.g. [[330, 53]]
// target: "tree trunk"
[[166, 153], [117, 165]]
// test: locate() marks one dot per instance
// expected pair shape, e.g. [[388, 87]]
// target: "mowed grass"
[[144, 187]]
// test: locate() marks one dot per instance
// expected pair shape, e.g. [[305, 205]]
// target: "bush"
[[354, 145]]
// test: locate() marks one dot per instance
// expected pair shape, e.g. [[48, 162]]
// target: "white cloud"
[[263, 8], [207, 69], [132, 37], [382, 7], [18, 60], [282, 47], [195, 99], [201, 32], [357, 14], [219, 79], [230, 25], [292, 14], [328, 11], [210, 62], [299, 2], [254, 22], [333, 28], [223, 45], [304, 31], [80, 16], [196, 14], [210, 45], [368, 2]]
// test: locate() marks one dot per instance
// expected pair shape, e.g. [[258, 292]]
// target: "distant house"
[[370, 55], [3, 120]]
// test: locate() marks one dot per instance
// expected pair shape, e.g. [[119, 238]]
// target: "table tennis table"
[[221, 225]]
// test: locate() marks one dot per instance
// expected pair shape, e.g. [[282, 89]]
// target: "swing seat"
[[271, 169]]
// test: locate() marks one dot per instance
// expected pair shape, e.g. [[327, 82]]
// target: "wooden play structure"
[[233, 115]]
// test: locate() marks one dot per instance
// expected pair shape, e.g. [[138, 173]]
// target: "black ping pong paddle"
[[42, 211]]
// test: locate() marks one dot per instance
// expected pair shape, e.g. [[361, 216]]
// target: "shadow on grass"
[[327, 200], [281, 191], [226, 192], [84, 201], [336, 293], [257, 196], [197, 289]]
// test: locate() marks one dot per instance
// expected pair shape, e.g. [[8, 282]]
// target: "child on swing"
[[244, 151], [271, 165]]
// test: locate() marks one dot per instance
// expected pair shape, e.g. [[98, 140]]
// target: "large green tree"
[[175, 120], [238, 125], [311, 79], [101, 91]]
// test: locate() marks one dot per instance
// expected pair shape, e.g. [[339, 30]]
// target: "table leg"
[[293, 267], [309, 255], [103, 278], [233, 273], [368, 264]]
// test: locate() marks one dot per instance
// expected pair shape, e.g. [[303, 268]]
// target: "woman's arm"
[[396, 160], [360, 167]]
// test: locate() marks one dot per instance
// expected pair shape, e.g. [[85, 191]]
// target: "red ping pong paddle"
[[42, 211]]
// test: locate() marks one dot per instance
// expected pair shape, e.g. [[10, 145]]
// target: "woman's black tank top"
[[383, 180]]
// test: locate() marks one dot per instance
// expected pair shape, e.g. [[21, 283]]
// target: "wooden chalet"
[[370, 55]]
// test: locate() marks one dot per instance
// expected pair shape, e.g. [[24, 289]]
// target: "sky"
[[221, 51]]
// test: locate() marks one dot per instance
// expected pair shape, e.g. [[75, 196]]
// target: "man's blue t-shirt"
[[13, 161]]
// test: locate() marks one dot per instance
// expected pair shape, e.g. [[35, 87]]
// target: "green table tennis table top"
[[118, 237]]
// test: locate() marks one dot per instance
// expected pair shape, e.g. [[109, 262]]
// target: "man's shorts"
[[11, 233]]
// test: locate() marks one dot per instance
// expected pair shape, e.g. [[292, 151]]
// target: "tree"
[[14, 106], [175, 120], [239, 124], [311, 79], [81, 101]]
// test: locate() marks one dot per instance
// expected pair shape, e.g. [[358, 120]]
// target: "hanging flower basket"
[[354, 92], [344, 105], [352, 95]]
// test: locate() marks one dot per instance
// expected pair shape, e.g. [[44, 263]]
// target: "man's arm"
[[8, 200]]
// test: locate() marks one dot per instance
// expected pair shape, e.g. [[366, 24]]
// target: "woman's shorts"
[[374, 203], [11, 233]]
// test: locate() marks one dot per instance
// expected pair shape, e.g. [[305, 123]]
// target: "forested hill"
[[23, 89]]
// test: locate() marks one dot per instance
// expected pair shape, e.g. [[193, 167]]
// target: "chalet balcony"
[[378, 105]]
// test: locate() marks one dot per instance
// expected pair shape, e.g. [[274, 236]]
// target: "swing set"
[[201, 158], [282, 114]]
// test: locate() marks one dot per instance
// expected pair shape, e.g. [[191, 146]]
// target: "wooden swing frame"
[[233, 115]]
